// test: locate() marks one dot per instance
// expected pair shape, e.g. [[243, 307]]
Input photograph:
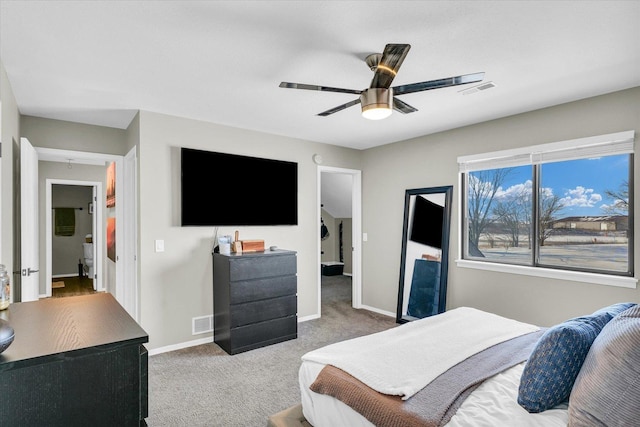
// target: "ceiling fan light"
[[376, 112], [376, 103]]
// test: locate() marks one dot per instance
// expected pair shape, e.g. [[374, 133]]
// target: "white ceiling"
[[98, 62], [335, 194]]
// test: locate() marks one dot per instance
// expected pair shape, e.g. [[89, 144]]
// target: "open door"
[[29, 248], [129, 263], [97, 265]]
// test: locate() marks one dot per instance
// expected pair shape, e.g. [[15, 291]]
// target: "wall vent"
[[202, 324], [482, 86]]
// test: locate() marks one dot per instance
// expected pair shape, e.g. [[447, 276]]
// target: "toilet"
[[88, 255]]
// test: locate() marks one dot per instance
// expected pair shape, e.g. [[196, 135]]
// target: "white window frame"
[[601, 145]]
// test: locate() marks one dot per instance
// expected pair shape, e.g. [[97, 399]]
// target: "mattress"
[[493, 404]]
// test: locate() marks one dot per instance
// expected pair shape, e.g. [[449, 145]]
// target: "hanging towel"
[[65, 221]]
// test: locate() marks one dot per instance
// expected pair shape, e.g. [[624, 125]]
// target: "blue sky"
[[581, 184]]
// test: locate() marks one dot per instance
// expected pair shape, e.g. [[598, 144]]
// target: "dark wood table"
[[75, 361]]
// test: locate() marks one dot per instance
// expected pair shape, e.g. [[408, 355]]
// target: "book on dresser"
[[254, 299]]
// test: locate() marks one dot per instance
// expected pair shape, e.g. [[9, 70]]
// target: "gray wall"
[[431, 161], [48, 133], [176, 285], [329, 246], [347, 244]]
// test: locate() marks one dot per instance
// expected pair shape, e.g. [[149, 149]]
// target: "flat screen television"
[[426, 226], [221, 189]]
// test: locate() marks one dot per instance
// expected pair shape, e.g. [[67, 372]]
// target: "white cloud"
[[581, 197], [515, 191]]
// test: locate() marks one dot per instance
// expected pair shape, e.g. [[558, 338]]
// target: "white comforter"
[[382, 360], [493, 404]]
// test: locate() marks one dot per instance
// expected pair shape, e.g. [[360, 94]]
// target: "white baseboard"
[[377, 310], [207, 340], [180, 346], [307, 318]]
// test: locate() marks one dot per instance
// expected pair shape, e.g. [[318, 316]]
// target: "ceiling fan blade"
[[320, 88], [403, 107], [389, 65], [437, 84], [340, 107]]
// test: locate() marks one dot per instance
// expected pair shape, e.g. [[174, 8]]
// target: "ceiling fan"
[[379, 99]]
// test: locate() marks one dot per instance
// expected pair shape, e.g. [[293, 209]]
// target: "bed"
[[467, 367]]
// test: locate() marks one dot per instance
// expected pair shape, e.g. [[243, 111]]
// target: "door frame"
[[98, 284], [356, 233], [127, 216]]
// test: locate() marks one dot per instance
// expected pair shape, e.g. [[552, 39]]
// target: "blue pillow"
[[615, 309], [552, 368]]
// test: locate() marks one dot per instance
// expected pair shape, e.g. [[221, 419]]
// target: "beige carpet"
[[57, 285], [203, 386]]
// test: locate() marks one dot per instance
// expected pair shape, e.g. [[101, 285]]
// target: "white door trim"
[[356, 233], [97, 236]]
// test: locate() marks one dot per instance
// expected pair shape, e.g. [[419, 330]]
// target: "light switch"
[[364, 237], [159, 245]]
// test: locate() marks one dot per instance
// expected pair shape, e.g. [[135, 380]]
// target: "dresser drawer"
[[259, 289], [255, 299], [264, 333], [260, 267], [259, 311]]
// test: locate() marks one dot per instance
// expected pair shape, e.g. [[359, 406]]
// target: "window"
[[552, 208]]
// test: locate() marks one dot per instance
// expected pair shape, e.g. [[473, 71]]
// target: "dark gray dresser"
[[254, 299], [75, 361]]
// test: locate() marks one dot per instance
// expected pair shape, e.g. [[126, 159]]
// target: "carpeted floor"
[[204, 386]]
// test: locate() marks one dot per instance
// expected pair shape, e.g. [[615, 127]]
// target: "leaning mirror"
[[425, 250]]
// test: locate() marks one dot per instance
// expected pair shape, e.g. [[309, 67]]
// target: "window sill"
[[576, 276]]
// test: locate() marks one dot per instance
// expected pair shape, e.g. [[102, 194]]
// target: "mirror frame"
[[444, 260]]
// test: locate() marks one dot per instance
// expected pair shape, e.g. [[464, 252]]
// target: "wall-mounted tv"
[[426, 227], [221, 189]]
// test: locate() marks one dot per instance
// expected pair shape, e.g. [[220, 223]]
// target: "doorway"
[[122, 273], [347, 182], [77, 254]]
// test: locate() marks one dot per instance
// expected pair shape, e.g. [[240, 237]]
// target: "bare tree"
[[482, 189], [514, 214], [621, 200], [550, 206]]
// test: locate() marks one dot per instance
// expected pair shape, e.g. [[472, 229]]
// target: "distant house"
[[593, 223]]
